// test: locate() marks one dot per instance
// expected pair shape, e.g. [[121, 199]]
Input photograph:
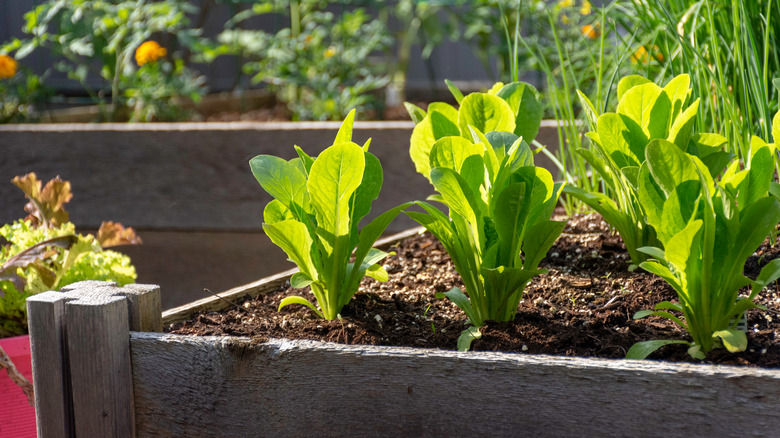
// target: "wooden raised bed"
[[101, 368]]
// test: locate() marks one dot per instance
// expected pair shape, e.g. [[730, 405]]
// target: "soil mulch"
[[583, 306]]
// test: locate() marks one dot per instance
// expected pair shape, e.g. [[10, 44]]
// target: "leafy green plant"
[[707, 231], [320, 65], [98, 38], [645, 112], [158, 91], [43, 252], [498, 228], [318, 204]]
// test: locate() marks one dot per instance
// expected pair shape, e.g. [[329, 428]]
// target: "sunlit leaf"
[[115, 234]]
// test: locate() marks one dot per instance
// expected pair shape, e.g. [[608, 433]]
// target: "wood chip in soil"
[[583, 306]]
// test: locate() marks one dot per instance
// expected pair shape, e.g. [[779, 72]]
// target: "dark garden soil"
[[583, 306]]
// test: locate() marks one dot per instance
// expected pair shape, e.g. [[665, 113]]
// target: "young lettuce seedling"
[[498, 227], [318, 204], [645, 112], [707, 231]]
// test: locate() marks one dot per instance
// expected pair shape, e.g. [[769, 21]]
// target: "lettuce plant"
[[43, 251], [513, 107], [645, 112], [318, 204], [498, 227], [707, 232]]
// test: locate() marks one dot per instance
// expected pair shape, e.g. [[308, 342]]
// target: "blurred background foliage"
[[323, 58]]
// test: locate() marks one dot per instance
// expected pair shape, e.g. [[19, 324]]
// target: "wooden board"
[[194, 176], [186, 176], [227, 386], [230, 297]]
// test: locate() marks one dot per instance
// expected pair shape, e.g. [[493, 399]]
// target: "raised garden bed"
[[188, 190], [175, 385], [583, 305]]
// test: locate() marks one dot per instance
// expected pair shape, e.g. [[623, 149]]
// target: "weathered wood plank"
[[101, 382], [193, 176], [226, 299], [51, 382], [226, 386], [144, 306]]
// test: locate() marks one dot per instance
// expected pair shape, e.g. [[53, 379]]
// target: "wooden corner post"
[[80, 345]]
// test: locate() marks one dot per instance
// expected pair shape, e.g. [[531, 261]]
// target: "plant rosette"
[[498, 228], [314, 217]]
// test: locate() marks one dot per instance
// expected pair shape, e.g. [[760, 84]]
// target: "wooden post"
[[51, 381], [80, 349]]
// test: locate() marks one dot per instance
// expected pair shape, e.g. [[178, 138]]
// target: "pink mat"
[[17, 417]]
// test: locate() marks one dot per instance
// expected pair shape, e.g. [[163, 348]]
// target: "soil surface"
[[583, 306]]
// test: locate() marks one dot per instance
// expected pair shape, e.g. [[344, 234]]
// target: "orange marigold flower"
[[8, 67], [590, 31], [148, 52]]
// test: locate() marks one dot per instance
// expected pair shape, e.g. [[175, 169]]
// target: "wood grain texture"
[[186, 176], [194, 176], [226, 386], [99, 358], [145, 307], [228, 298], [51, 381]]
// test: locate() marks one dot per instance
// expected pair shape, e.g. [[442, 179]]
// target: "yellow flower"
[[7, 67], [330, 52], [565, 4], [564, 19], [149, 51], [586, 8], [643, 56], [640, 56], [590, 31]]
